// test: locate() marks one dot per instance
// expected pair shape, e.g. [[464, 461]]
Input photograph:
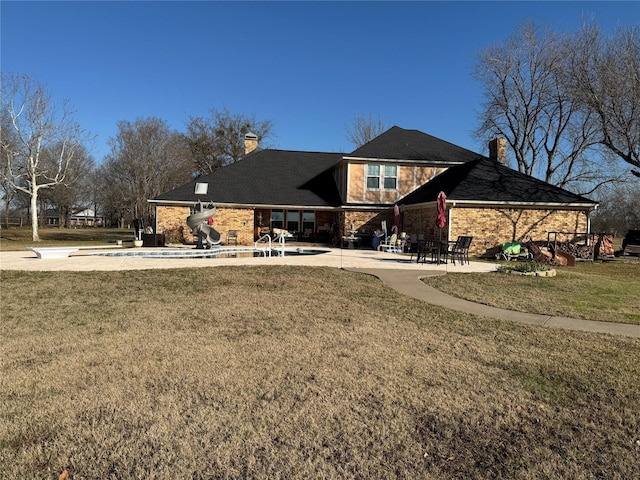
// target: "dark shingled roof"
[[400, 144], [487, 180], [269, 177], [293, 178]]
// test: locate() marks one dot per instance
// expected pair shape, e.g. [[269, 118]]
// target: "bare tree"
[[8, 190], [363, 129], [527, 103], [73, 193], [218, 140], [8, 194], [36, 124], [619, 208], [147, 158], [605, 78]]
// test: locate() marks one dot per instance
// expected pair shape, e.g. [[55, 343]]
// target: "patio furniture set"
[[423, 247]]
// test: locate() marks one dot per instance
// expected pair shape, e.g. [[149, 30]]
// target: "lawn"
[[291, 372], [607, 290], [19, 238]]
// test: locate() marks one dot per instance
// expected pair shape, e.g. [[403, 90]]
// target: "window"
[[387, 175], [308, 220], [373, 176], [277, 219], [390, 177], [293, 220]]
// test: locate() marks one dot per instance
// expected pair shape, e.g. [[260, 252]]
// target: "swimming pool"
[[212, 253]]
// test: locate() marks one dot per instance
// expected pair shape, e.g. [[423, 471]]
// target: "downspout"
[[453, 204]]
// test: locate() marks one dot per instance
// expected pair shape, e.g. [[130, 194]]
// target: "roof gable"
[[489, 181], [400, 144], [268, 177]]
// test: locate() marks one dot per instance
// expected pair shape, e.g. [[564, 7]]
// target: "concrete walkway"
[[396, 271], [408, 283]]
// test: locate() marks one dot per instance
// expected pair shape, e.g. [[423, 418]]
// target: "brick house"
[[321, 195]]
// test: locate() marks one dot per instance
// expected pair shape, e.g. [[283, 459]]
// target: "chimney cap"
[[250, 136]]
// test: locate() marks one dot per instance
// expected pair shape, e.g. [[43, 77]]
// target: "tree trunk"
[[34, 215]]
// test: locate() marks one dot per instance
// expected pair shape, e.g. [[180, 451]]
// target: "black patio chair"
[[460, 250], [428, 247]]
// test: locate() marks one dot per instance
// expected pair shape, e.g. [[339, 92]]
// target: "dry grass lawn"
[[19, 238], [287, 372], [607, 291]]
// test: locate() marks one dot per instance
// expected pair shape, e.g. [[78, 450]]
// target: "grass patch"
[[605, 291], [291, 372], [19, 238]]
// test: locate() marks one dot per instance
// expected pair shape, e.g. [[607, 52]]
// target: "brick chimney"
[[498, 150], [250, 142]]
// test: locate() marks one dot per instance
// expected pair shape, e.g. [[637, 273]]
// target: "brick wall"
[[492, 227], [239, 219], [368, 221], [173, 221], [420, 220]]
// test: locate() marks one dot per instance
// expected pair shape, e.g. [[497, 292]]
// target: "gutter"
[[401, 161], [461, 203], [183, 203]]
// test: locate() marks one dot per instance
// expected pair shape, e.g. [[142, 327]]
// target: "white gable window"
[[390, 179], [385, 175], [373, 176]]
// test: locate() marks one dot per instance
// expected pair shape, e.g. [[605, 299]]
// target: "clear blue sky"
[[310, 67]]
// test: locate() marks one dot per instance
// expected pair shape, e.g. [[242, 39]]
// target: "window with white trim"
[[390, 179], [373, 176], [385, 175]]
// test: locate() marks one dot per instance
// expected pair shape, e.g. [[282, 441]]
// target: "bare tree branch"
[[527, 102], [363, 129], [39, 139]]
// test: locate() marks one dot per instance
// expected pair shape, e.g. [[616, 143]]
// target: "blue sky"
[[309, 67]]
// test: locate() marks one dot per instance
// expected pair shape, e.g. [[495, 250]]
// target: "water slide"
[[198, 224]]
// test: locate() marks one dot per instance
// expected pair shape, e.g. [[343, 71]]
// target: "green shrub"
[[524, 267]]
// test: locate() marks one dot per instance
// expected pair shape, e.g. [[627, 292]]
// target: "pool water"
[[212, 253]]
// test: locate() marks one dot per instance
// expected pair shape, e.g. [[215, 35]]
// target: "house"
[[77, 218], [321, 195]]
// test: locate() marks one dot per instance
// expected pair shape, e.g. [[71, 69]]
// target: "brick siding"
[[490, 227], [173, 221]]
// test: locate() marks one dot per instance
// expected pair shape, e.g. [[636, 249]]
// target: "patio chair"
[[428, 246], [232, 236], [460, 250], [390, 245], [413, 245]]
